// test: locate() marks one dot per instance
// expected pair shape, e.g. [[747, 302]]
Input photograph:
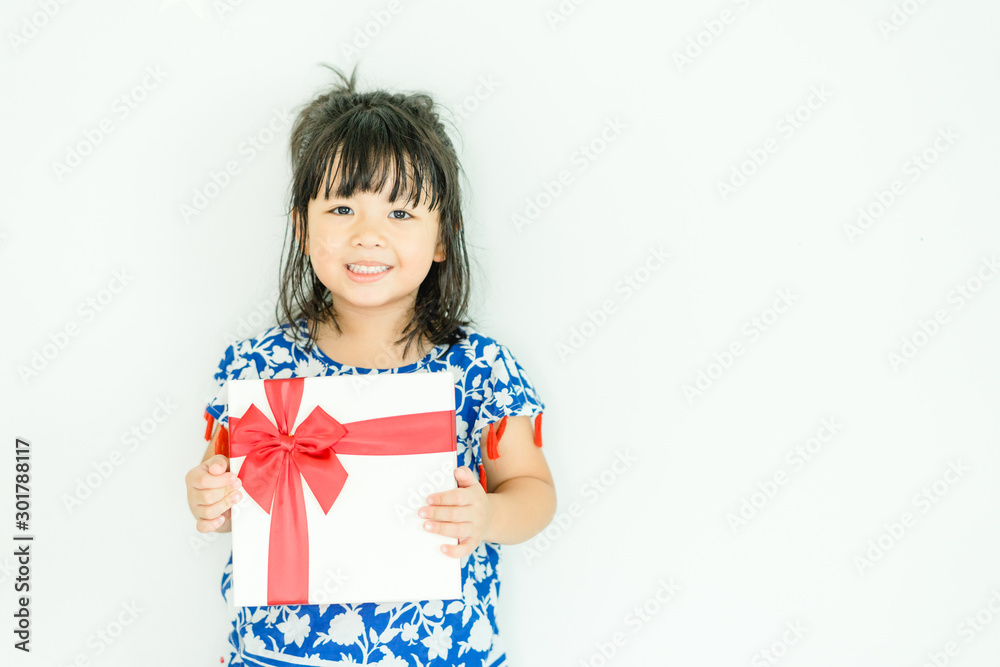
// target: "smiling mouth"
[[364, 270]]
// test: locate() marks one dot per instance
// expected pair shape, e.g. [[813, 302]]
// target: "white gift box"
[[370, 546]]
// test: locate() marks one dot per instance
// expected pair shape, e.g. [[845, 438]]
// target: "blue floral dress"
[[489, 385]]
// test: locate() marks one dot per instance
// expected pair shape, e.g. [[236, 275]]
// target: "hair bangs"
[[364, 159]]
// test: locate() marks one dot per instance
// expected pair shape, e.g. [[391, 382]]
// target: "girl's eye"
[[346, 210]]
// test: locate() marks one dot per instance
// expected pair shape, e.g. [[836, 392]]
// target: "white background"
[[685, 128]]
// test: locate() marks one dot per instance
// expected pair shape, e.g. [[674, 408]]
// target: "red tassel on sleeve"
[[492, 448], [493, 439], [493, 436], [222, 441]]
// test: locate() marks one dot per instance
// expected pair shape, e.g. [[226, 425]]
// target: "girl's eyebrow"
[[399, 203]]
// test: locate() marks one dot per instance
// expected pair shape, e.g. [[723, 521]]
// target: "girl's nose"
[[367, 231]]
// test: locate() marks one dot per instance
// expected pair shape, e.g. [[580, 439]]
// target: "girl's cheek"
[[325, 248]]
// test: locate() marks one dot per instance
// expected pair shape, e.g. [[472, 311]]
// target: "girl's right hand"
[[212, 490]]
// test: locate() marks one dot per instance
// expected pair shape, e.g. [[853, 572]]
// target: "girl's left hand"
[[464, 513]]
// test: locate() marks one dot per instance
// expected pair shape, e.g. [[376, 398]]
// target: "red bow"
[[276, 461]]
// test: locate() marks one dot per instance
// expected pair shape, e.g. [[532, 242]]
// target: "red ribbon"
[[277, 460]]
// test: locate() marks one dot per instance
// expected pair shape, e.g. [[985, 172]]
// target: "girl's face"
[[371, 253]]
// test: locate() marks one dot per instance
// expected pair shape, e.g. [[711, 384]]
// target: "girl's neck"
[[367, 351]]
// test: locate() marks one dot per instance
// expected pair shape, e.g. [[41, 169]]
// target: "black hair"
[[373, 131]]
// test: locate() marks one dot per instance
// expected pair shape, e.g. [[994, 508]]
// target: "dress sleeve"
[[509, 392], [217, 404]]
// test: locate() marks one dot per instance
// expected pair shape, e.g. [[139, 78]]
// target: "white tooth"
[[357, 268]]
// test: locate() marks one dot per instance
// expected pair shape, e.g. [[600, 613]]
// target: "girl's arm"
[[520, 491]]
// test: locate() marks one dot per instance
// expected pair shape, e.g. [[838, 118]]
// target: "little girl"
[[376, 280]]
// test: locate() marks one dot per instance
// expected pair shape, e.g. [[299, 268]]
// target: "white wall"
[[684, 128]]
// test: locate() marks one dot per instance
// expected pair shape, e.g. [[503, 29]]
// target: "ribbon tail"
[[538, 430], [288, 544], [325, 475]]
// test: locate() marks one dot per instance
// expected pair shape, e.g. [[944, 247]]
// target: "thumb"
[[464, 476], [217, 464]]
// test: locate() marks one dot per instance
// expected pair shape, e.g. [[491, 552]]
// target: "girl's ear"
[[439, 254], [298, 232]]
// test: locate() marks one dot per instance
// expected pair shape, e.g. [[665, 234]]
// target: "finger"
[[464, 477], [216, 464], [206, 480], [446, 513], [460, 550], [460, 529], [458, 496], [209, 525], [217, 508], [208, 497]]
